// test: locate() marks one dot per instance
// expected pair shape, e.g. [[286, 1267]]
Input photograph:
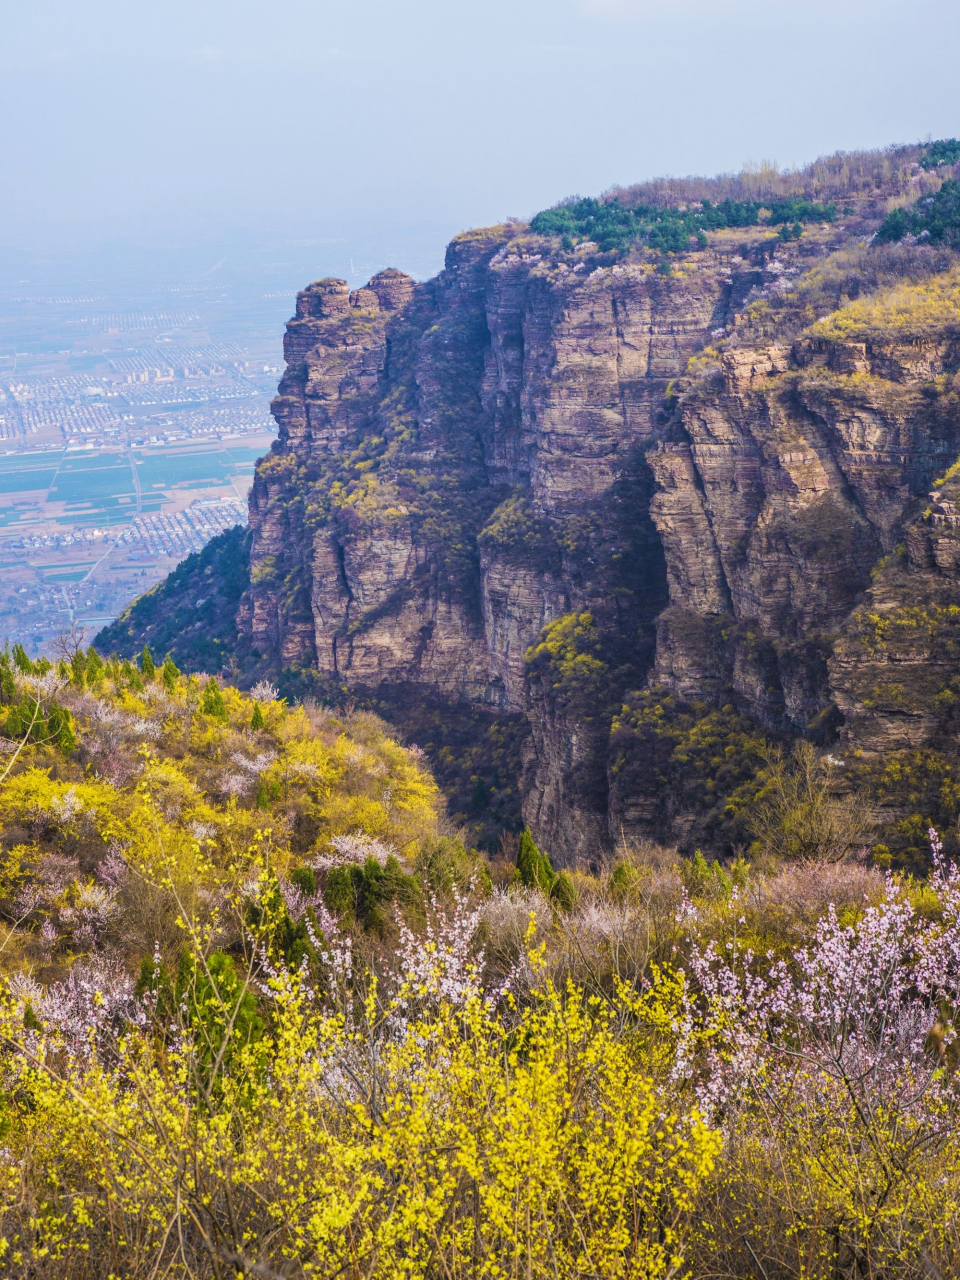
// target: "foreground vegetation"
[[263, 1015]]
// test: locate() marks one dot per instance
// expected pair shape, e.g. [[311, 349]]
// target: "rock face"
[[541, 434]]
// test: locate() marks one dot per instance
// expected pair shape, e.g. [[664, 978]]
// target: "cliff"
[[623, 511]]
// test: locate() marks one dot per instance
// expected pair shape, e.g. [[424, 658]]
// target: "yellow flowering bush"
[[433, 1133]]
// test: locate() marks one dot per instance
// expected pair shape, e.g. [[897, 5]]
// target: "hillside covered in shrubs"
[[263, 1012]]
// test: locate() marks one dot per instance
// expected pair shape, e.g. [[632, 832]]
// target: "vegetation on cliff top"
[[669, 229]]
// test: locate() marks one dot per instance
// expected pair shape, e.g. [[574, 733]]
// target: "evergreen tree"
[[257, 721], [169, 671], [212, 703], [8, 686], [78, 669], [21, 660], [132, 676], [221, 1008], [95, 668], [147, 665], [563, 895], [13, 727], [533, 867], [60, 731]]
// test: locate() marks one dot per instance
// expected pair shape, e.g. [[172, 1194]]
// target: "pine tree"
[[563, 895], [257, 721], [21, 660], [147, 665], [60, 731], [169, 671], [212, 703], [533, 867], [95, 668]]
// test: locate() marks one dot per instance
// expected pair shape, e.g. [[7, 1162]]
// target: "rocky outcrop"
[[541, 433]]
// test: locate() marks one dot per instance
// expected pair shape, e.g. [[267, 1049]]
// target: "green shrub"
[[533, 867], [305, 879], [212, 703]]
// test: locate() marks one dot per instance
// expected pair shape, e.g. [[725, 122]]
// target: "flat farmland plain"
[[84, 531]]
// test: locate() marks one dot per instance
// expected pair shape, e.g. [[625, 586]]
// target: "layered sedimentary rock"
[[541, 434]]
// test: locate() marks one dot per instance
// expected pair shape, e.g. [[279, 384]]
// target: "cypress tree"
[[78, 669], [257, 721], [147, 664], [8, 686], [212, 703], [563, 895], [169, 671], [60, 731], [95, 668], [132, 676], [21, 660], [13, 728], [533, 867]]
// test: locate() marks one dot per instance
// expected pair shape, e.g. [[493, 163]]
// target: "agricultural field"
[[84, 531]]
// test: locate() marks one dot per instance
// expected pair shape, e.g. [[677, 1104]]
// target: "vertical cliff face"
[[548, 480], [793, 473], [462, 462]]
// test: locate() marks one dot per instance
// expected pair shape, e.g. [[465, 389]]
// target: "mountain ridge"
[[631, 505]]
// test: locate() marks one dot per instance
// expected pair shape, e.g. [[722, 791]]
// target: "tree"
[[257, 722], [147, 665], [132, 676], [21, 661], [212, 703], [95, 669], [799, 814], [8, 686], [533, 867], [169, 671], [563, 894], [69, 642], [60, 729]]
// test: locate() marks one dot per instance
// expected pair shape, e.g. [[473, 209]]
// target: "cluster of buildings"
[[190, 392], [185, 531], [56, 541]]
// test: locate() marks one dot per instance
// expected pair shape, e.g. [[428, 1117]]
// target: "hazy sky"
[[180, 118]]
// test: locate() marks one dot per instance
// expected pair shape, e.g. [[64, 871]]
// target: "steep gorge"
[[635, 506]]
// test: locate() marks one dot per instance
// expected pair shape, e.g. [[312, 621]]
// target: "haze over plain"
[[408, 122]]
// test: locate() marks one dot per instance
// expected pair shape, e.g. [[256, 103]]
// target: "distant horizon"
[[174, 128], [146, 237]]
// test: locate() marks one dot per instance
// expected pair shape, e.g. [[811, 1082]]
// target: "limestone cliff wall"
[[536, 434]]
